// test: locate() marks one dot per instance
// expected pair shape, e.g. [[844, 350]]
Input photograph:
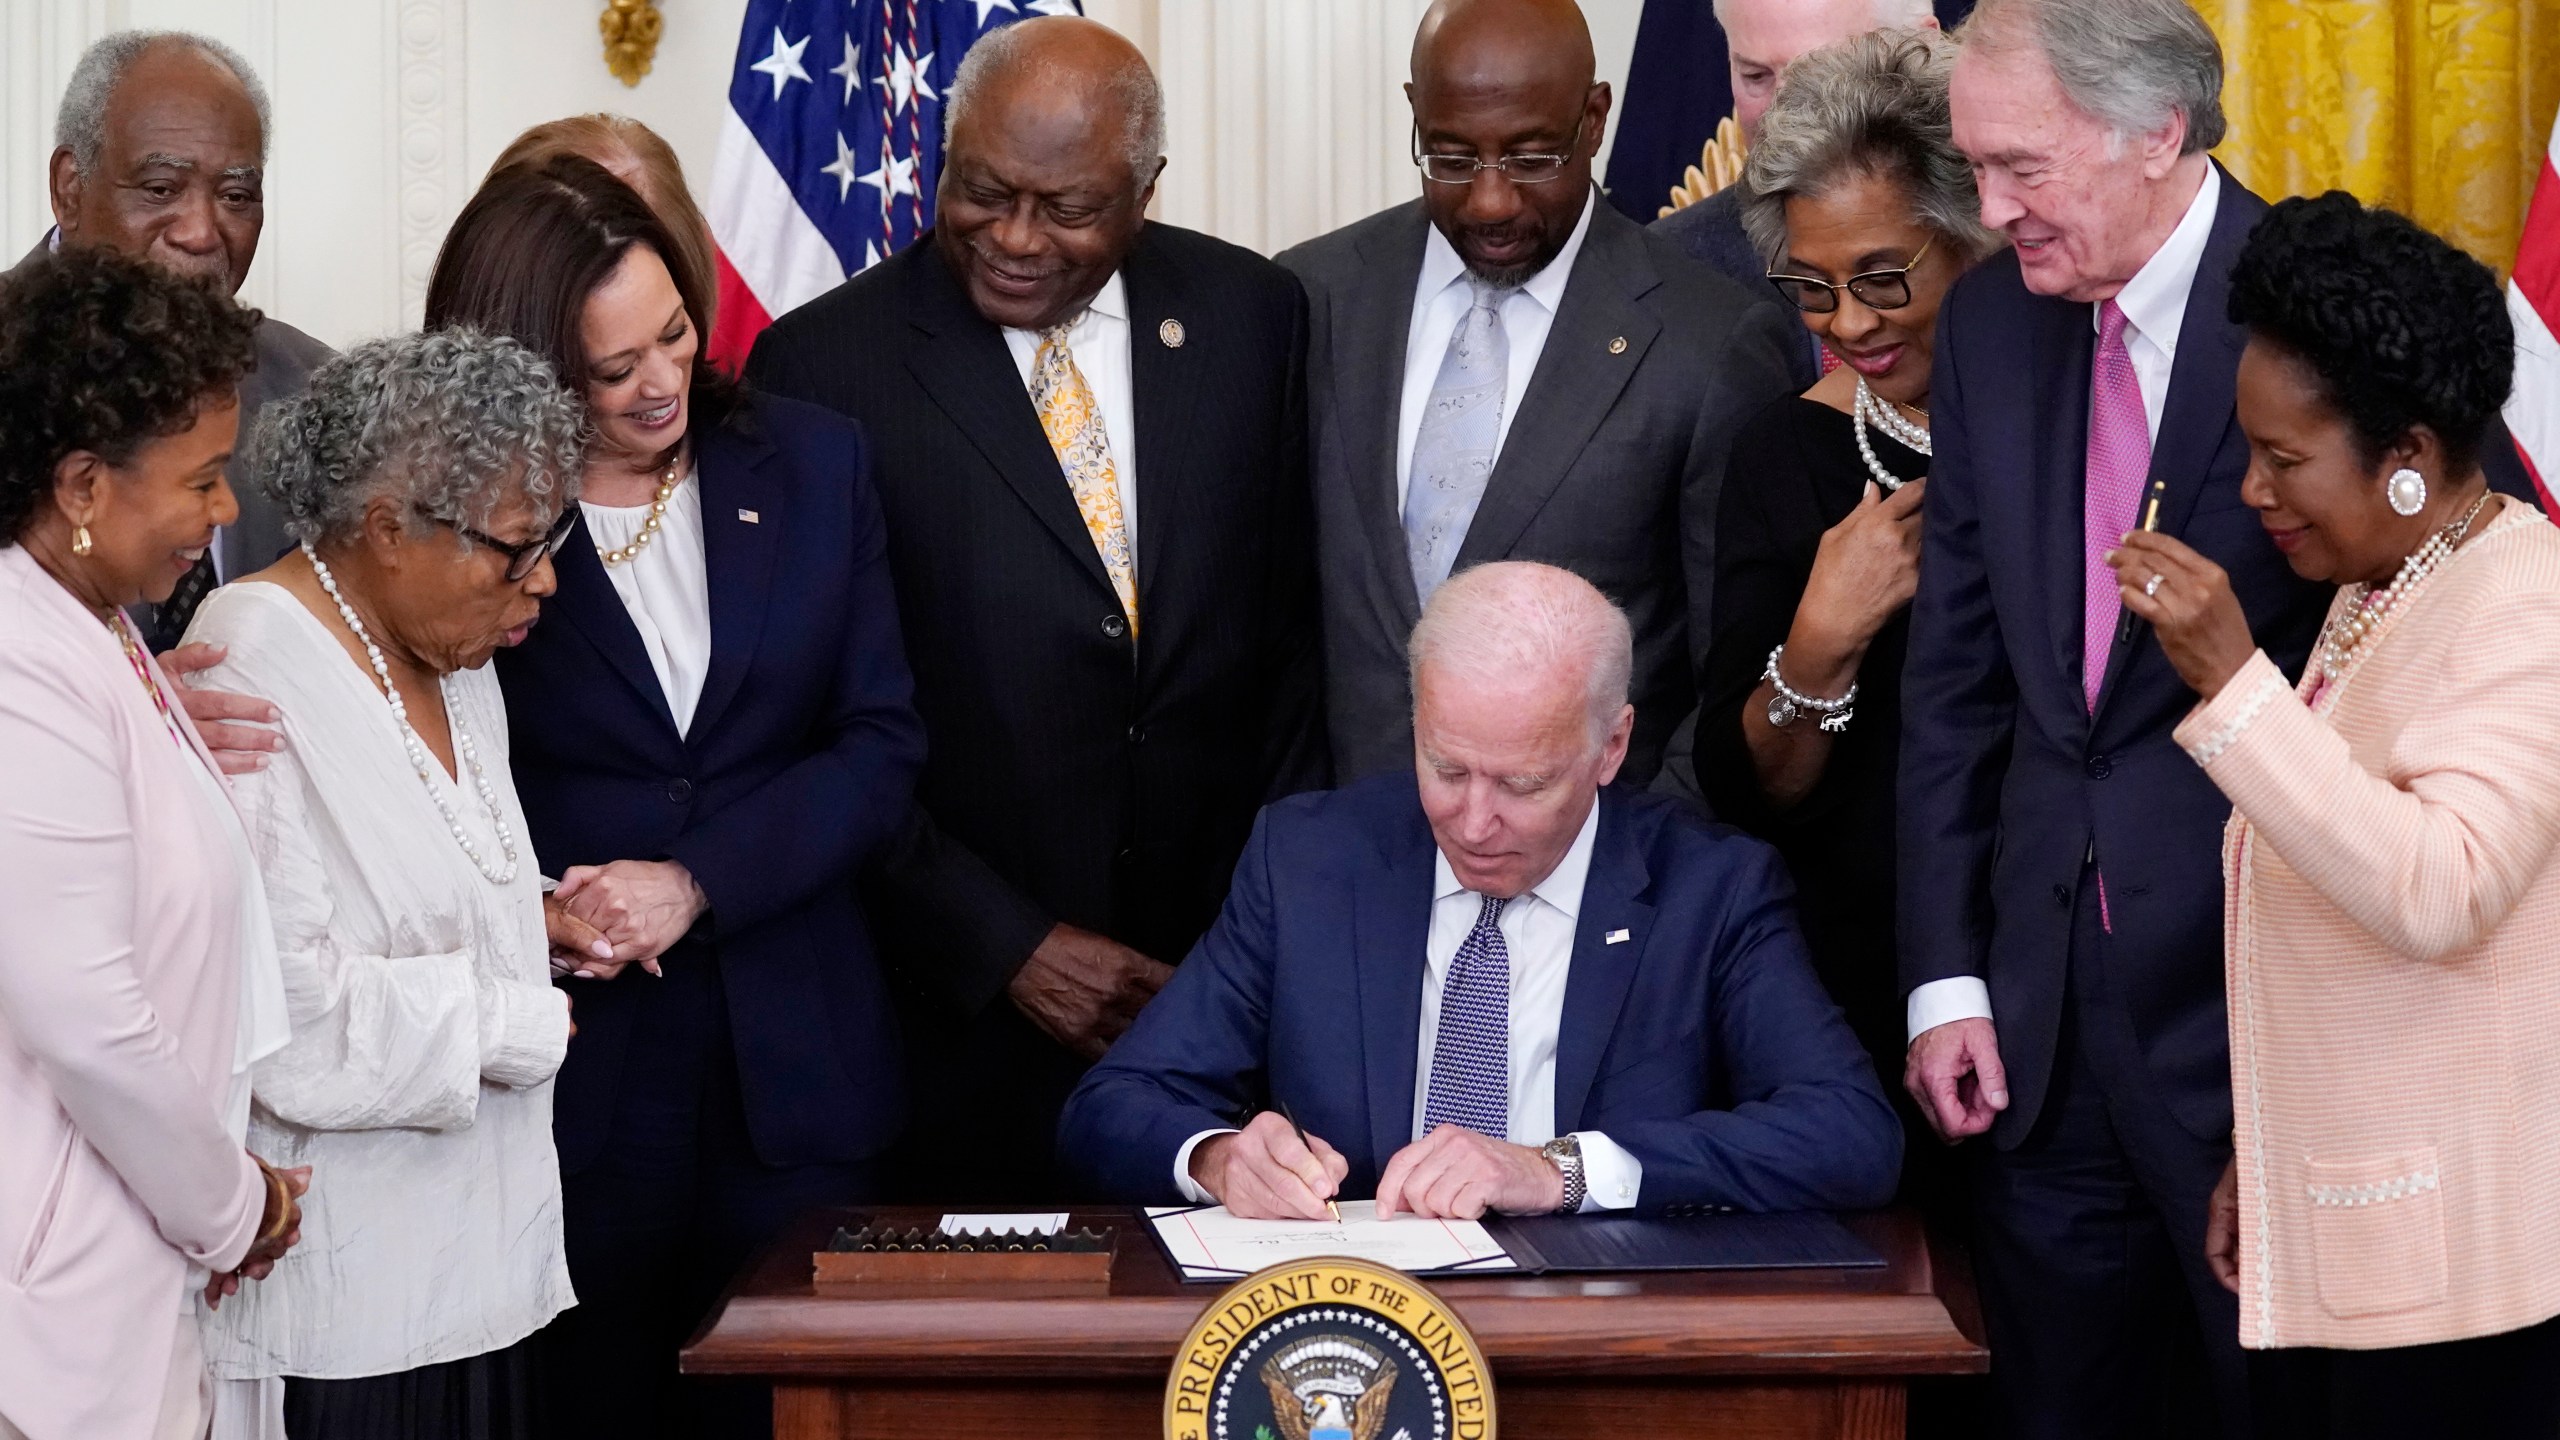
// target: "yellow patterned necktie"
[[1075, 432]]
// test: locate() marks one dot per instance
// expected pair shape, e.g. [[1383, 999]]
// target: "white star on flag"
[[906, 80], [987, 7], [1053, 7], [851, 69], [784, 63], [894, 177], [843, 169]]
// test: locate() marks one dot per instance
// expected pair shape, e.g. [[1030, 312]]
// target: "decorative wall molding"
[[428, 138]]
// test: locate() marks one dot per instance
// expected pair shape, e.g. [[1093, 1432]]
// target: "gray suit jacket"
[[1711, 232], [286, 358], [1612, 467]]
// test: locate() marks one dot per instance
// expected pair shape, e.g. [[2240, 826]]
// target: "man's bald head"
[[1497, 78], [1079, 65]]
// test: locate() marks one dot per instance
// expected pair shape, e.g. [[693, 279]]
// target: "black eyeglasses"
[[1533, 169], [522, 555], [1876, 289]]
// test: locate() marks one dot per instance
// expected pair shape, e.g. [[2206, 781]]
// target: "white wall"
[[1284, 117]]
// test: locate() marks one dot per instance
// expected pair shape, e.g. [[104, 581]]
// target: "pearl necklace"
[[648, 527], [1871, 409], [418, 748], [2363, 615]]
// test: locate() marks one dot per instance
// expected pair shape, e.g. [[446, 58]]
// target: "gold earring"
[[81, 544]]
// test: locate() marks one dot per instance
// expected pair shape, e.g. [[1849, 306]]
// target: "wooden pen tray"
[[884, 1255]]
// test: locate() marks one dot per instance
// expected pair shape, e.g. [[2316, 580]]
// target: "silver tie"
[[1461, 432]]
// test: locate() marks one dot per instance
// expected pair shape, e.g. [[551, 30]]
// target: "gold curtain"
[[2440, 109]]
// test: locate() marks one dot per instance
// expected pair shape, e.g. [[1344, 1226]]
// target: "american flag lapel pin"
[[1614, 937], [750, 517]]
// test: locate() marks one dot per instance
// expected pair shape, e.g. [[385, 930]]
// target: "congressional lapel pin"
[[1171, 333], [1614, 937], [1618, 345], [751, 517]]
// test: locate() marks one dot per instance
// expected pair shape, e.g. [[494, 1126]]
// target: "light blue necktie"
[[1471, 1053], [1461, 433]]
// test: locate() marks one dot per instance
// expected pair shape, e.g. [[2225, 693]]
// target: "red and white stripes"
[[2533, 298]]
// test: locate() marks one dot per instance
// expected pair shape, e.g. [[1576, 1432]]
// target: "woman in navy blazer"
[[712, 732]]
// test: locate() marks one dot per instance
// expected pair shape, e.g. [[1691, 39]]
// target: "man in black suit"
[[1762, 38], [2061, 879], [1089, 436], [1508, 368]]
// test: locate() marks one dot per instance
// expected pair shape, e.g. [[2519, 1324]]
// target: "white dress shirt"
[[667, 590], [1537, 931], [1099, 340], [2154, 303], [1441, 298]]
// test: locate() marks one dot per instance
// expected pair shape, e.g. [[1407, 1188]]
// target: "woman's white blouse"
[[417, 1083], [667, 589]]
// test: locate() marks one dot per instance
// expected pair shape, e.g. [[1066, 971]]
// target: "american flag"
[[832, 144], [2533, 299]]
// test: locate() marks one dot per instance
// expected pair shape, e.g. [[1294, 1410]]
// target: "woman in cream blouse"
[[2391, 1220], [428, 478]]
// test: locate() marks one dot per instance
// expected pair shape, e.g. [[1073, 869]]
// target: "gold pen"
[[2151, 505], [1291, 1117]]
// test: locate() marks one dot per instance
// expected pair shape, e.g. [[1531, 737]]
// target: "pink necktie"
[[2119, 466]]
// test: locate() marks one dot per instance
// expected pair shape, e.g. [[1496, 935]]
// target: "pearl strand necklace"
[[1870, 408], [2364, 615], [649, 526], [417, 747]]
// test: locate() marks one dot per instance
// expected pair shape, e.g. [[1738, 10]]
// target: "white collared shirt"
[[2154, 302], [1441, 298], [1537, 931], [1099, 340]]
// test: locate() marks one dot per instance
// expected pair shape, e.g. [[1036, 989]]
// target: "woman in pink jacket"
[[2391, 1220], [127, 894]]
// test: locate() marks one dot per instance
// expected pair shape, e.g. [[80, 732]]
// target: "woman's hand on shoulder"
[[238, 729]]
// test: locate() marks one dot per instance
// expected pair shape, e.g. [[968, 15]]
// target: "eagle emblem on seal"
[[1329, 1387]]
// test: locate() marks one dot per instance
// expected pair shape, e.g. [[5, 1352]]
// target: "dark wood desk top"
[[1915, 1316]]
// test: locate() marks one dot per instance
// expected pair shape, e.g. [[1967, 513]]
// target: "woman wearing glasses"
[[713, 731], [1867, 213], [425, 477]]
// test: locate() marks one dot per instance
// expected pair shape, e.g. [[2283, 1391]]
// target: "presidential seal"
[[1329, 1350]]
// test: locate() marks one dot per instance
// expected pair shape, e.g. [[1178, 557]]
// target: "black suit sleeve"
[[1296, 757], [1752, 372]]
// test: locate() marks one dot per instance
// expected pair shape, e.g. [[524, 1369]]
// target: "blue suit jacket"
[[1702, 1042], [799, 765], [2007, 780]]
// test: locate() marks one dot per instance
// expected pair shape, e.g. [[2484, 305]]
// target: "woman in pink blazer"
[[126, 891], [2391, 1220]]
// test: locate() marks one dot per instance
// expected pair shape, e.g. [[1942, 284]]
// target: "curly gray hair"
[[2129, 63], [1872, 105], [80, 126], [452, 422]]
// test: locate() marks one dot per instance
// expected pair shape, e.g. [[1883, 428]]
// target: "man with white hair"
[[160, 153], [1762, 38], [2060, 876], [1493, 983]]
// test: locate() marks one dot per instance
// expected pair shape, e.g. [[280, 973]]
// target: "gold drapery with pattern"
[[2440, 109]]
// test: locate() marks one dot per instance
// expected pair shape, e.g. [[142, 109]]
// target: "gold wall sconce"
[[630, 29]]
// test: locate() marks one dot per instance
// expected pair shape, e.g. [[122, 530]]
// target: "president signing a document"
[[1495, 985]]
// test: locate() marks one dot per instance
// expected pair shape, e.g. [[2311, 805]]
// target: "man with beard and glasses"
[[1509, 369], [1089, 437]]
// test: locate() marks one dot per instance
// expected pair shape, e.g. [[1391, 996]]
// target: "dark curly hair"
[[105, 354], [2402, 328]]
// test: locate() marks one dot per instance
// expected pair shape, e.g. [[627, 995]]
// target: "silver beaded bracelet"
[[1791, 703]]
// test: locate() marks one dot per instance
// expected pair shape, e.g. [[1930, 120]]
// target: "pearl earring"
[[81, 544], [2407, 491]]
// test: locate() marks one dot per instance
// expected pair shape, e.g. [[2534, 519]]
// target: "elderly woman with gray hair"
[[1866, 214], [428, 479]]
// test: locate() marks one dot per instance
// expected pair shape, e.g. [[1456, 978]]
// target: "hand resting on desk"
[[1262, 1173]]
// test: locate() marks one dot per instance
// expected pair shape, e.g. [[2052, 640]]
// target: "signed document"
[[1210, 1244]]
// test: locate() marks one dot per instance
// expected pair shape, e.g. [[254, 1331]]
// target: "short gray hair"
[[1875, 104], [1890, 14], [80, 126], [452, 422], [1517, 617], [1134, 86], [2129, 63]]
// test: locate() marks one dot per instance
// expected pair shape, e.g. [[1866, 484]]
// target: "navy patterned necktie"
[[170, 618], [1471, 1054]]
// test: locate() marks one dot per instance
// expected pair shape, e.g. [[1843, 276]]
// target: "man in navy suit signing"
[[1494, 985]]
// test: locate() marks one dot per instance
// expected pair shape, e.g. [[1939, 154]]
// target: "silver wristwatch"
[[1565, 1153]]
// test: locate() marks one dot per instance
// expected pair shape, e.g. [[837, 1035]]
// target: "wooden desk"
[[1752, 1355]]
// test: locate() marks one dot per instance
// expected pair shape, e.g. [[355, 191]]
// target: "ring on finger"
[[2152, 586]]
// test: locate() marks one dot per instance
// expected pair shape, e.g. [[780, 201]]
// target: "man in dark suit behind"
[[1487, 982], [1089, 438], [1762, 38], [160, 152], [2060, 867], [1509, 368]]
